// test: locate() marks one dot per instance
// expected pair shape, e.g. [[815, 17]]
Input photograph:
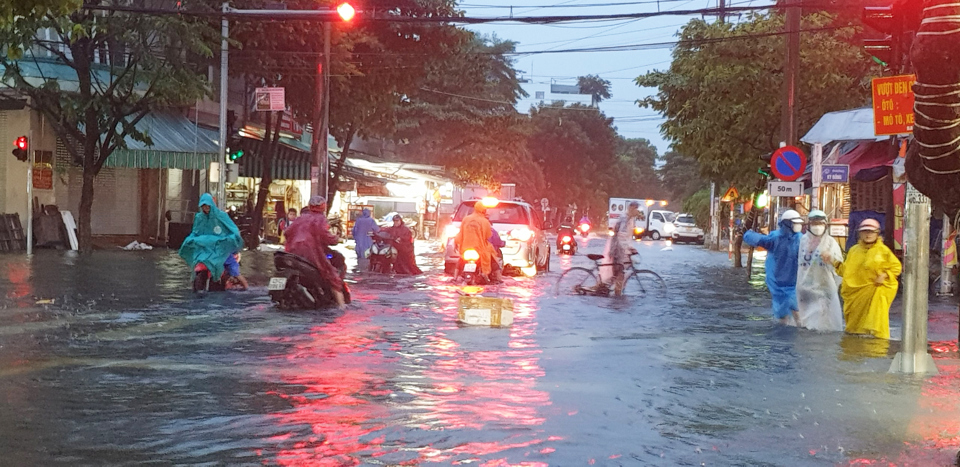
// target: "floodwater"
[[110, 360]]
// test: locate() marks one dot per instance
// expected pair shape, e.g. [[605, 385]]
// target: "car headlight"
[[451, 231]]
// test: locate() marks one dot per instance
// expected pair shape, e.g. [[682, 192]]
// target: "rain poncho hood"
[[818, 284], [475, 231], [866, 306], [214, 238], [361, 232], [783, 248]]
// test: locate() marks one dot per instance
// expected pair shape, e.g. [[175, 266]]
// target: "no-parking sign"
[[788, 163]]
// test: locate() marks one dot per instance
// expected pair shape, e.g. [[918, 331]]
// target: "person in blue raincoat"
[[214, 241], [783, 249], [362, 228]]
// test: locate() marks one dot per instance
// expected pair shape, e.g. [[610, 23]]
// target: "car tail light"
[[584, 227], [523, 234], [566, 239], [471, 255]]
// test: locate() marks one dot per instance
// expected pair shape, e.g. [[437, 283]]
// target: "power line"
[[373, 16], [584, 5]]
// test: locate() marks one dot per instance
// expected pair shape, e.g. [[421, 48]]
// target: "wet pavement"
[[110, 360]]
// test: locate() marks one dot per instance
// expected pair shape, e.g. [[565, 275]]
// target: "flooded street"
[[111, 360]]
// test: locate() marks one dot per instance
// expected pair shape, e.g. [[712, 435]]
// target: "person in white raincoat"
[[817, 280], [620, 247]]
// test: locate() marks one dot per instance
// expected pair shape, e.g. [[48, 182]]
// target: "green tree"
[[633, 173], [680, 176], [722, 93], [597, 87], [463, 116], [574, 146], [119, 67], [16, 10]]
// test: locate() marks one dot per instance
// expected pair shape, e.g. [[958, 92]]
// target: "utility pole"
[[324, 150], [224, 68], [913, 358], [791, 70]]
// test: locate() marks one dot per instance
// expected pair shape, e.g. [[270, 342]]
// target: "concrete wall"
[[13, 173]]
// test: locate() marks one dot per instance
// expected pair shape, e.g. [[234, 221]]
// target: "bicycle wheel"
[[644, 282], [576, 281]]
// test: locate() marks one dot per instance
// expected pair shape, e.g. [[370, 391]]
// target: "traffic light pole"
[[224, 83]]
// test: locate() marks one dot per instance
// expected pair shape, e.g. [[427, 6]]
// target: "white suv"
[[686, 230], [527, 249]]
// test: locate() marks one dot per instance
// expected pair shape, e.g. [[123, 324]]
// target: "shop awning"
[[177, 143], [845, 125], [288, 163]]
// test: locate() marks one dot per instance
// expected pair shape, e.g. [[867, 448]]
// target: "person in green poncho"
[[214, 241]]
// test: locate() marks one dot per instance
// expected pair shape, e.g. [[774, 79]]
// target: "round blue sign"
[[788, 163]]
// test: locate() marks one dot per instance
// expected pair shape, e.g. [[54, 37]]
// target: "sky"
[[620, 68]]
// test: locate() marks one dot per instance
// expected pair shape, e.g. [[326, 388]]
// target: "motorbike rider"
[[475, 232], [402, 237], [309, 238], [214, 241], [566, 229]]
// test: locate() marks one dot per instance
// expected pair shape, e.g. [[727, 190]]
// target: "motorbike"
[[382, 253], [566, 244], [566, 240], [584, 230], [470, 268], [300, 286], [336, 226], [202, 282]]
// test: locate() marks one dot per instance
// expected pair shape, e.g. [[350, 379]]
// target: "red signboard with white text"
[[893, 105]]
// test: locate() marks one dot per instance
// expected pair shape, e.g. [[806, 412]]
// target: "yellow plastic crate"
[[485, 311]]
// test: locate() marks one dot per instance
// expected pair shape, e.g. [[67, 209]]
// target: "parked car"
[[527, 250], [686, 229]]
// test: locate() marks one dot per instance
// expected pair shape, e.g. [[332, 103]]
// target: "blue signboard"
[[835, 174]]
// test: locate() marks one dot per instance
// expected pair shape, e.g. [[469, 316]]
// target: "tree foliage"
[[119, 67], [680, 176], [463, 116], [597, 87], [722, 93]]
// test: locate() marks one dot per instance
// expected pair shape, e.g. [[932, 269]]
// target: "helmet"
[[869, 224], [792, 216], [817, 214], [317, 200]]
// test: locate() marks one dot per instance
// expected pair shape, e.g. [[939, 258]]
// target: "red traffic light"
[[20, 149], [346, 11]]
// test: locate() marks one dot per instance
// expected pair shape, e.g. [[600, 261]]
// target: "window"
[[43, 170], [686, 220], [657, 217], [502, 214], [540, 95]]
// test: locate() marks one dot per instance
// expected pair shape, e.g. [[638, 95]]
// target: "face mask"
[[797, 227], [818, 230]]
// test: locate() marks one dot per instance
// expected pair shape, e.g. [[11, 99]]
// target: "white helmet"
[[817, 214], [791, 215]]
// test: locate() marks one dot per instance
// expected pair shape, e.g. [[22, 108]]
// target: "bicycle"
[[584, 281]]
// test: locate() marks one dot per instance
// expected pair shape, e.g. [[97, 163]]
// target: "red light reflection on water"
[[337, 384], [485, 389], [337, 369], [18, 275], [934, 431]]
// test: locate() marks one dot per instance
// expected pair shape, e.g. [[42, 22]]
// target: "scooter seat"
[[595, 257]]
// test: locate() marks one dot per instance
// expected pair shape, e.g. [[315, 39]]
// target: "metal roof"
[[844, 125]]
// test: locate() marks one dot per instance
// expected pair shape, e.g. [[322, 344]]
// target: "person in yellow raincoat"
[[869, 282], [475, 232]]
